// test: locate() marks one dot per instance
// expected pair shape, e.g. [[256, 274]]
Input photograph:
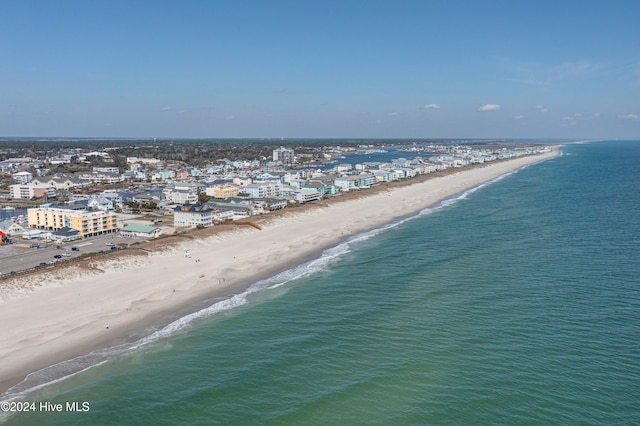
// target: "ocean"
[[517, 302]]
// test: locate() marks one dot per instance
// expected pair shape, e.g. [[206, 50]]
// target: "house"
[[65, 234], [272, 203], [10, 227], [100, 203]]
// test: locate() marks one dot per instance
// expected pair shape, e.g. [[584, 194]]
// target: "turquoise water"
[[517, 303]]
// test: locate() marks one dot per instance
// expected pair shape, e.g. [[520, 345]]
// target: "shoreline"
[[75, 311]]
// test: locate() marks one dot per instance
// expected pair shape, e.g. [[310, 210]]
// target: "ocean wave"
[[63, 370]]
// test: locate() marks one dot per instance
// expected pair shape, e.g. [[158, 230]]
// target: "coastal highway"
[[20, 256]]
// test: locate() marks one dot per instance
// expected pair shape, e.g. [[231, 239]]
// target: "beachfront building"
[[200, 214], [133, 230], [306, 195], [87, 223], [346, 183], [319, 186], [270, 204], [384, 175], [239, 208]]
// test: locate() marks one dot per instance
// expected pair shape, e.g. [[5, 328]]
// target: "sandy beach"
[[59, 315]]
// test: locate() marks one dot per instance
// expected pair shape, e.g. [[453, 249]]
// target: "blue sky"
[[369, 69]]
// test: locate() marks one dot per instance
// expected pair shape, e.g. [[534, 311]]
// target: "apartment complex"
[[25, 192], [283, 155], [87, 223]]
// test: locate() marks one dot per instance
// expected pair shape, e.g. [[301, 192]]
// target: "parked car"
[[66, 254], [34, 245], [75, 249], [57, 256], [109, 244]]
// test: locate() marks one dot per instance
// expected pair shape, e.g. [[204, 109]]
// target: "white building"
[[200, 214], [307, 195], [264, 189], [23, 177], [26, 192], [283, 155], [186, 193], [100, 203]]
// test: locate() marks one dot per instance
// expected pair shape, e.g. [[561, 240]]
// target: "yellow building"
[[222, 191], [88, 224]]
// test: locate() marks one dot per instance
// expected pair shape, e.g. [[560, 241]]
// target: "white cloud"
[[632, 117], [431, 106], [393, 114], [519, 117], [490, 107], [230, 117], [165, 108], [542, 108]]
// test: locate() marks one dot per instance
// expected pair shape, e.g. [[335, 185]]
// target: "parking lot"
[[26, 254]]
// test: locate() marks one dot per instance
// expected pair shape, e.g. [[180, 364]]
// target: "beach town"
[[153, 197], [91, 285]]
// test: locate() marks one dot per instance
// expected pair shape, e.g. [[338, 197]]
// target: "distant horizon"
[[213, 138]]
